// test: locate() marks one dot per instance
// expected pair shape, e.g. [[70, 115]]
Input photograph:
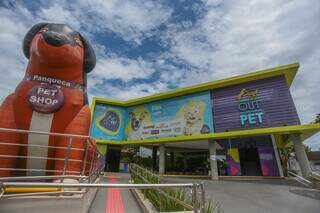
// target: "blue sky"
[[144, 47]]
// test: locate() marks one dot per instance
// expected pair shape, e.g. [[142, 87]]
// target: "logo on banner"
[[249, 107], [110, 121], [45, 98]]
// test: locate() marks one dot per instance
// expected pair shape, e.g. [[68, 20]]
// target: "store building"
[[239, 126]]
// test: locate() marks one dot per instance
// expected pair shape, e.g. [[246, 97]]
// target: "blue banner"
[[108, 122], [186, 115]]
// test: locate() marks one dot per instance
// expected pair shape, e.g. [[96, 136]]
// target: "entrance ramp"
[[306, 187], [114, 200]]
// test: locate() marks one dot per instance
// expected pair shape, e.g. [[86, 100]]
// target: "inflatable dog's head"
[[58, 46]]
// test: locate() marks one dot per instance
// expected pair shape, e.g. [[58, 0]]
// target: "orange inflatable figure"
[[51, 98]]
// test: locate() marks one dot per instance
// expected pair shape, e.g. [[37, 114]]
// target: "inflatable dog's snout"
[[56, 39]]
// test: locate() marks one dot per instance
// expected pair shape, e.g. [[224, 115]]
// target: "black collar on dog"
[[56, 81]]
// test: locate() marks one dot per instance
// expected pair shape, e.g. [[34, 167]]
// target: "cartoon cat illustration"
[[193, 115]]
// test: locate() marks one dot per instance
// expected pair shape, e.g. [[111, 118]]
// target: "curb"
[[144, 204]]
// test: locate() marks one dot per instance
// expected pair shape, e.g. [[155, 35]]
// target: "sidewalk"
[[260, 196], [114, 200]]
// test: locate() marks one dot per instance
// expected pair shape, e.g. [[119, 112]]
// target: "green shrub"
[[156, 197]]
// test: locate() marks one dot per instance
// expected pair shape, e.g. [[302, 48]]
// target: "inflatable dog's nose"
[[55, 38]]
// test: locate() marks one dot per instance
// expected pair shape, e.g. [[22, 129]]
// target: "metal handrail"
[[43, 133], [300, 179], [96, 185], [40, 146], [198, 203], [35, 170], [22, 131], [315, 175], [41, 177], [91, 163], [40, 158], [167, 195], [43, 193]]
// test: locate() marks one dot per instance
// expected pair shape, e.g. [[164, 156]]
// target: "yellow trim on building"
[[306, 131], [289, 71]]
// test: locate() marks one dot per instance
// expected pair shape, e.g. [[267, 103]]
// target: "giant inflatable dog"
[[51, 98]]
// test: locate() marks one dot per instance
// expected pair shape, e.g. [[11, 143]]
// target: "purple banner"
[[233, 160], [256, 104], [268, 161]]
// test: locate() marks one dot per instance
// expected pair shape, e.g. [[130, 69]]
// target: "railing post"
[[194, 198], [91, 165], [84, 161], [1, 189], [203, 198], [67, 158]]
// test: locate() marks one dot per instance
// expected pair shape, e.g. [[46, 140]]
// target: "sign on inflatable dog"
[[51, 98]]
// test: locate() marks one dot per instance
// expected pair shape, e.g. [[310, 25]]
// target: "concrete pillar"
[[154, 158], [301, 155], [213, 161], [276, 153], [162, 159]]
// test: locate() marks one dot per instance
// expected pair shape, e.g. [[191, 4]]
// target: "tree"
[[317, 120]]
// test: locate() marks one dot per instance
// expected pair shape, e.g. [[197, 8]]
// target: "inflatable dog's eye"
[[45, 29], [78, 42]]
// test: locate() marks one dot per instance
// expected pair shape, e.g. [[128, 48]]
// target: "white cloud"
[[132, 20], [12, 60], [238, 36], [130, 91], [122, 68], [230, 37]]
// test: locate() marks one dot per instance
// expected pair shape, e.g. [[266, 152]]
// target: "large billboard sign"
[[186, 115], [256, 104]]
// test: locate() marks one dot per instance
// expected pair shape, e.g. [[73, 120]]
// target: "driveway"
[[260, 196]]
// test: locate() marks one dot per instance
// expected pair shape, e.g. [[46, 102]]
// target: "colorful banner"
[[255, 104], [108, 122], [268, 162], [187, 115], [233, 160]]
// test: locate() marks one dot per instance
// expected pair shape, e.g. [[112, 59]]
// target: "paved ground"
[[114, 200], [261, 196]]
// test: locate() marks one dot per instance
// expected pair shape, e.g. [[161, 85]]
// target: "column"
[[213, 161], [301, 155], [162, 158], [276, 153], [154, 157]]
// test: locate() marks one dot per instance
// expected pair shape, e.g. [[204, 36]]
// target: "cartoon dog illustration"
[[137, 117], [193, 115], [51, 98]]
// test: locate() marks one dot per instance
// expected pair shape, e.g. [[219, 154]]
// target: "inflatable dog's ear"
[[89, 57], [29, 36]]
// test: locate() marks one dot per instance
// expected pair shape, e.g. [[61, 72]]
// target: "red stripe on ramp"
[[114, 202]]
